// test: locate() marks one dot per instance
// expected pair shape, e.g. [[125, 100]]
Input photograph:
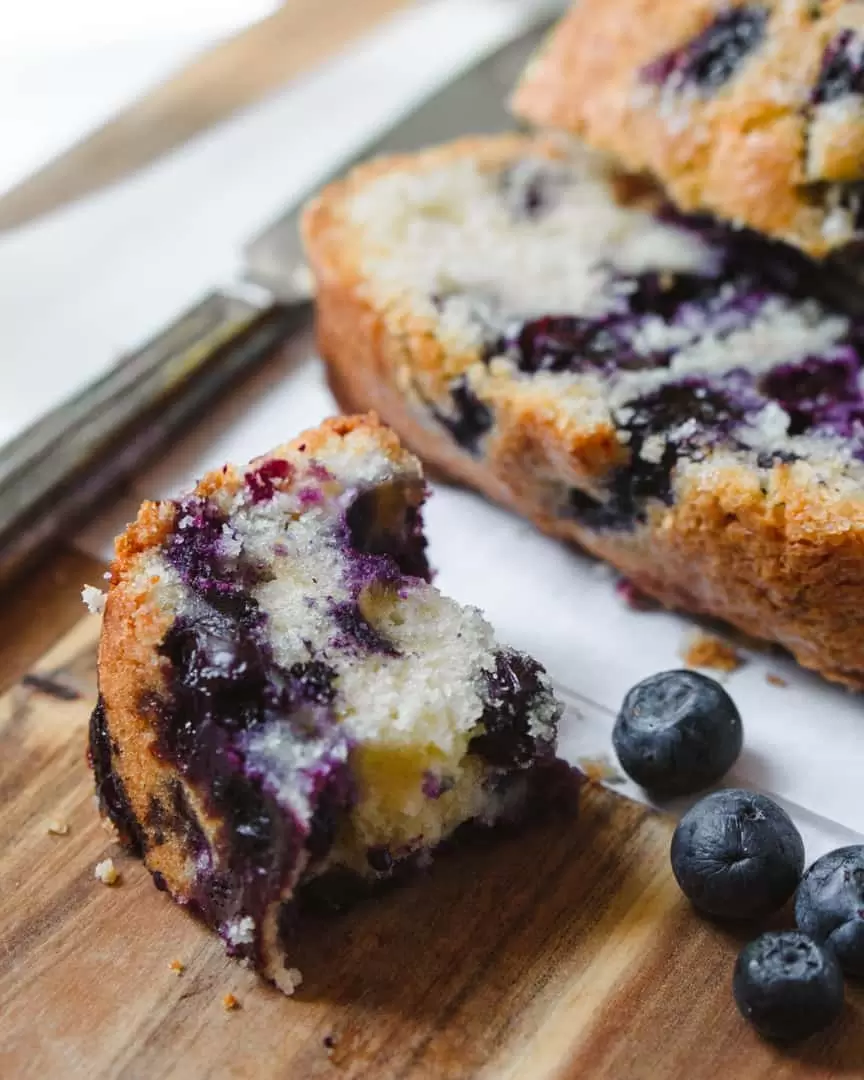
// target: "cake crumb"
[[240, 931], [94, 598], [58, 828], [288, 980], [706, 651], [775, 680], [230, 1003], [599, 770], [107, 872], [107, 824], [177, 966]]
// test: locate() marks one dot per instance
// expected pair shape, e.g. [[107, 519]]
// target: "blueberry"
[[737, 855], [529, 189], [470, 420], [677, 732], [513, 690], [787, 985], [818, 391], [711, 58], [829, 905], [842, 69], [356, 631], [263, 481]]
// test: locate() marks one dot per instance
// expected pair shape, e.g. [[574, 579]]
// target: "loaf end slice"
[[290, 714], [680, 398]]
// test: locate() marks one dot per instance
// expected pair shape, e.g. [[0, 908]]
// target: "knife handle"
[[58, 471]]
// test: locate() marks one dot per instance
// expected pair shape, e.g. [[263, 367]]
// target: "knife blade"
[[475, 102], [77, 456], [84, 451]]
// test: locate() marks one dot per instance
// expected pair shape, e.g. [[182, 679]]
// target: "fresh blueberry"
[[677, 733], [829, 905], [737, 855], [787, 985]]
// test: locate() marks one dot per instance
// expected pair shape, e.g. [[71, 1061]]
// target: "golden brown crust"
[[782, 560], [755, 151]]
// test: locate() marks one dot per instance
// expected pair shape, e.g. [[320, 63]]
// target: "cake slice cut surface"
[[752, 110], [681, 398], [289, 711]]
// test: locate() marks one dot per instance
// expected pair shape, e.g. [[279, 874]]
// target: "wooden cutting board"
[[565, 953]]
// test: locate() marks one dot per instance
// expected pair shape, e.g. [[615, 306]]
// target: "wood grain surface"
[[563, 953], [225, 79], [567, 952]]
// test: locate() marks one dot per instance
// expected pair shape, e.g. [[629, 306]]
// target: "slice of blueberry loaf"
[[289, 711], [753, 111], [672, 395]]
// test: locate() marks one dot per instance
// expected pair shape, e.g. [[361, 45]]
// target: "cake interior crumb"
[[177, 966], [94, 599], [775, 680], [58, 828], [107, 872], [707, 651], [230, 1003]]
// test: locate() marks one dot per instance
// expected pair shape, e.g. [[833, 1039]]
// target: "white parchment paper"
[[804, 742], [82, 286]]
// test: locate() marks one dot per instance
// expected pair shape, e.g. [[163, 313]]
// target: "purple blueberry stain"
[[687, 417], [723, 299], [314, 681], [530, 189], [434, 785], [379, 859], [196, 548], [319, 472], [842, 69], [310, 496], [229, 705], [511, 691], [820, 394], [110, 790], [568, 343], [262, 482], [713, 57], [356, 633], [467, 418], [384, 531], [227, 693]]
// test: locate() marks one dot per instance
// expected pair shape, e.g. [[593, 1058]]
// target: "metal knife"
[[60, 469]]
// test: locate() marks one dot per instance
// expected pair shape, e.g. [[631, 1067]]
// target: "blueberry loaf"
[[676, 397], [289, 712], [753, 111]]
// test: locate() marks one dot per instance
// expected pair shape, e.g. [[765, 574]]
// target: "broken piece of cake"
[[681, 398], [752, 111], [289, 711]]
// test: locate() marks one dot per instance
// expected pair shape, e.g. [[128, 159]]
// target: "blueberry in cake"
[[753, 110], [289, 711], [680, 398]]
